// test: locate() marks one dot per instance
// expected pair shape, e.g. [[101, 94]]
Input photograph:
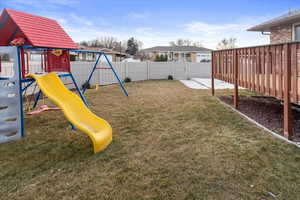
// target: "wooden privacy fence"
[[272, 70]]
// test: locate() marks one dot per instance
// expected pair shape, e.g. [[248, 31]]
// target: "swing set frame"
[[81, 91]]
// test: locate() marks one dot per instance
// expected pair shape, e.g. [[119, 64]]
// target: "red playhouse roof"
[[34, 30]]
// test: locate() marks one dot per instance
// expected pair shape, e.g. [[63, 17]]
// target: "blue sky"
[[158, 22]]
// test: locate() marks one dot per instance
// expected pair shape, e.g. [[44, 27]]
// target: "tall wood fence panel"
[[271, 70], [261, 69]]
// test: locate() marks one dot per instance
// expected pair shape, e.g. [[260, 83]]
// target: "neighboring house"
[[179, 53], [113, 56], [285, 28]]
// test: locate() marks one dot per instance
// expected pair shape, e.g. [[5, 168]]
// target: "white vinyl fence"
[[139, 71], [136, 71]]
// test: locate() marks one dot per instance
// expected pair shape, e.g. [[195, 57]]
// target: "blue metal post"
[[20, 90], [92, 72], [37, 99], [81, 96], [78, 89], [116, 74], [28, 85], [72, 126]]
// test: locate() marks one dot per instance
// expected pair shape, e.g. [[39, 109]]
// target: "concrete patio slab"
[[193, 85], [205, 83], [218, 83]]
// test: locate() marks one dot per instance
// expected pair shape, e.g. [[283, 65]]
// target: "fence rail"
[[272, 70]]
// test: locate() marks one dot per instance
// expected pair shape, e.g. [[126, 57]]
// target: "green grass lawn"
[[170, 142]]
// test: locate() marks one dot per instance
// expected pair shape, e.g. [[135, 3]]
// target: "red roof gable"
[[37, 31]]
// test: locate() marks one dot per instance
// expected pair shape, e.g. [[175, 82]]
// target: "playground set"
[[23, 35]]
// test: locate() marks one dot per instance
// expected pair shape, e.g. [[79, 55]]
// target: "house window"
[[297, 32]]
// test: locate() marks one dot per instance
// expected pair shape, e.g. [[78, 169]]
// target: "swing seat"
[[42, 108]]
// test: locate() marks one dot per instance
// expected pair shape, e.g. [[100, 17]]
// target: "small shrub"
[[161, 58], [127, 80], [170, 77]]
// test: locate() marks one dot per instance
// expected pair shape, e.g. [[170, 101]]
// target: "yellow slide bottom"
[[99, 130]]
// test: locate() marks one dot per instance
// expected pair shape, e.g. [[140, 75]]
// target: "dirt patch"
[[266, 111]]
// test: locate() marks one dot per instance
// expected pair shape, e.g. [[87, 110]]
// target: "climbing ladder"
[[11, 106]]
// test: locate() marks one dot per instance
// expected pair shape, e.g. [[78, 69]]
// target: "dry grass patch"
[[170, 142]]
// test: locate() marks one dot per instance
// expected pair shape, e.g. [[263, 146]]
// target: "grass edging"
[[259, 125]]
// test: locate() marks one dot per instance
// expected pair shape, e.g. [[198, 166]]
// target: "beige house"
[[113, 56], [285, 28], [178, 53]]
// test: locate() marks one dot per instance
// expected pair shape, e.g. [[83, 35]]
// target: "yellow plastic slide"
[[99, 130]]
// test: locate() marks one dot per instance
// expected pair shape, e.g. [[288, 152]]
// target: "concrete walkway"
[[194, 85], [205, 83]]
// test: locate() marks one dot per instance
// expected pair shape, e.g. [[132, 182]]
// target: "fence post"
[[212, 73], [126, 70], [188, 66], [148, 70], [173, 71], [236, 86], [185, 69], [287, 112]]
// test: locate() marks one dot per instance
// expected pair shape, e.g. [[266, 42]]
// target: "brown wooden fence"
[[272, 70]]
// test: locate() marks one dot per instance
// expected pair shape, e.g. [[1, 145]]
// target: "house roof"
[[36, 30], [177, 48], [288, 18]]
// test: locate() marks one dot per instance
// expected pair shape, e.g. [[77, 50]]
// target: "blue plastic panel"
[[11, 117]]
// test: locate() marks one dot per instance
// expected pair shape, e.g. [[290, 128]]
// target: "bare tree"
[[109, 42], [124, 44], [103, 42], [178, 42], [84, 43], [172, 43], [185, 42], [140, 44], [197, 44], [120, 46], [227, 43]]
